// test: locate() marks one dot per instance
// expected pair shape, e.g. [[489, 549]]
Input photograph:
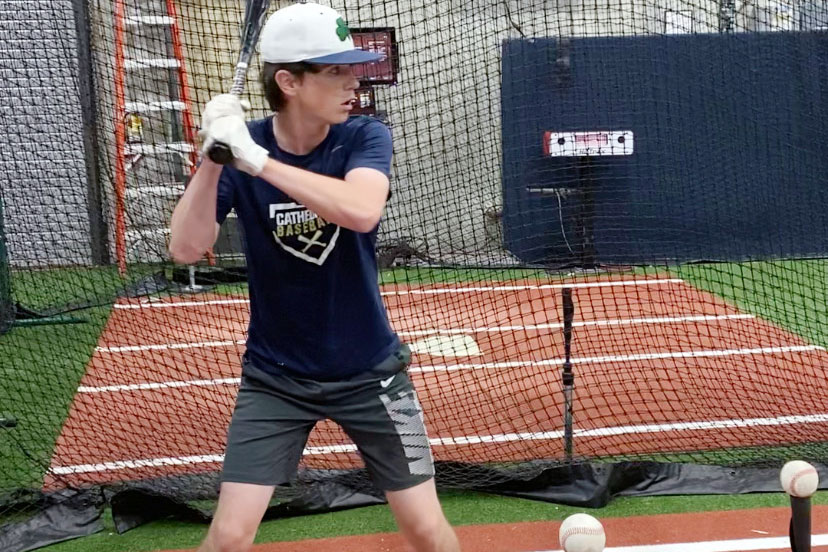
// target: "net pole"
[[587, 222], [567, 376]]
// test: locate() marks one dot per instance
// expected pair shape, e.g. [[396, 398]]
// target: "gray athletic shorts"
[[379, 411]]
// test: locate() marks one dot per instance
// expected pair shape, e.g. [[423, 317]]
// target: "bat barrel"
[[254, 17]]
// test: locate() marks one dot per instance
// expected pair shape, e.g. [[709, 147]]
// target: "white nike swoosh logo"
[[387, 382], [336, 148]]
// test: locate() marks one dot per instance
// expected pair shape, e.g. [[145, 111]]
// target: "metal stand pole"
[[193, 287], [800, 529]]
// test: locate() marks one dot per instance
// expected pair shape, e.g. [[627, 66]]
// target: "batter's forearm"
[[193, 224], [338, 201]]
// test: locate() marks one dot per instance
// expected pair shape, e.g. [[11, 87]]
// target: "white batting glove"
[[223, 105], [248, 156]]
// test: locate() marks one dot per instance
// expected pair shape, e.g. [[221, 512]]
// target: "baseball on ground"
[[582, 533], [799, 478]]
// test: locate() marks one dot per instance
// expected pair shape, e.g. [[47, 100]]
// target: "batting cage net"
[[605, 247]]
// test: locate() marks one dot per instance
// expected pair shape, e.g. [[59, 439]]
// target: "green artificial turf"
[[41, 366], [461, 508]]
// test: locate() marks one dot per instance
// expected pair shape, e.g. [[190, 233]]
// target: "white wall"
[[42, 168]]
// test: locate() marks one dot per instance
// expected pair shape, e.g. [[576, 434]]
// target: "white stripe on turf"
[[163, 304], [621, 358], [168, 346], [472, 440], [158, 385], [584, 324], [435, 291], [573, 285], [496, 365], [736, 545], [450, 331]]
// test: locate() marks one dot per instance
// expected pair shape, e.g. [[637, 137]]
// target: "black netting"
[[663, 161]]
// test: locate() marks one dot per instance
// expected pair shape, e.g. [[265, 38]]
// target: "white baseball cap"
[[312, 33]]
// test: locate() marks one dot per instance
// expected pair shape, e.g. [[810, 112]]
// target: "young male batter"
[[309, 186]]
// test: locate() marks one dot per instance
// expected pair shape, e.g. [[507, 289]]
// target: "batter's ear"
[[288, 82]]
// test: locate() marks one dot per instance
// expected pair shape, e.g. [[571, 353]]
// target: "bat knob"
[[220, 153]]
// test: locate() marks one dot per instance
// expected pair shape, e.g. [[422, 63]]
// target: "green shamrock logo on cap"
[[342, 30]]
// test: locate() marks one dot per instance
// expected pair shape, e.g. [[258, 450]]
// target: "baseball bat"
[[254, 16]]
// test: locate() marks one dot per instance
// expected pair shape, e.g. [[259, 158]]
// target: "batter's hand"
[[223, 105], [248, 156]]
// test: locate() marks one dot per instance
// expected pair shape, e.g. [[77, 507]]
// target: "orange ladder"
[[130, 106]]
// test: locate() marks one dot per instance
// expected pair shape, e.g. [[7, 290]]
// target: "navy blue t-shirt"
[[315, 306]]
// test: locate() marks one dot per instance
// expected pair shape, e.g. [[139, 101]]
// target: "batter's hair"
[[274, 95]]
